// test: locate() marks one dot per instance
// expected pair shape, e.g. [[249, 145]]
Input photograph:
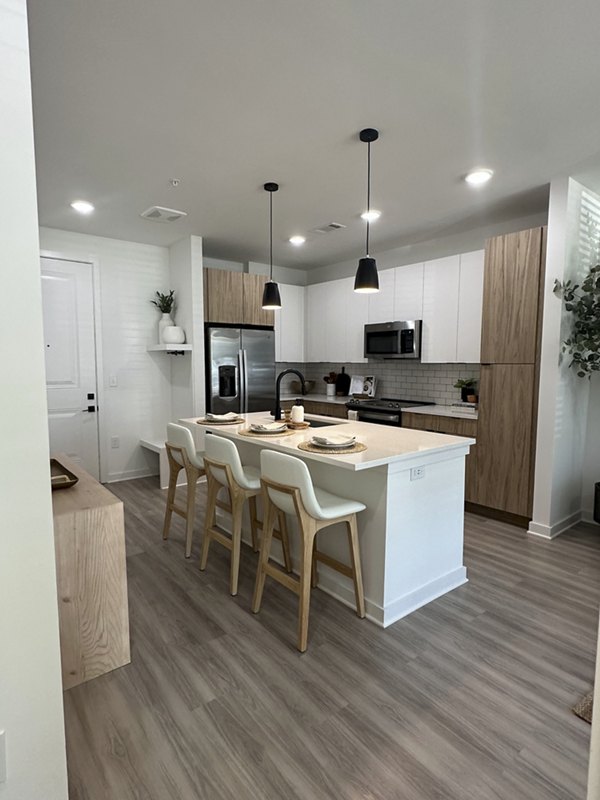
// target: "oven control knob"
[[390, 405]]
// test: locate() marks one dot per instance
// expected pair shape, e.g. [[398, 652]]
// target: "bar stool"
[[224, 469], [288, 487], [182, 454]]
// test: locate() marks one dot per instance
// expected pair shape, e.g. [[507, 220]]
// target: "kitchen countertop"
[[443, 411], [385, 444]]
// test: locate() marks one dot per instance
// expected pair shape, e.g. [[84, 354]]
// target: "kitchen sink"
[[319, 423]]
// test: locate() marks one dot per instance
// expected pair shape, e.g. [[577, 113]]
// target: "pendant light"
[[367, 279], [271, 299]]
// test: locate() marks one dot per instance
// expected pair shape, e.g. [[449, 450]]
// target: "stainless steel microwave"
[[393, 339]]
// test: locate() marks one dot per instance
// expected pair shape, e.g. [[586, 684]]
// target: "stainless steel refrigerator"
[[240, 369]]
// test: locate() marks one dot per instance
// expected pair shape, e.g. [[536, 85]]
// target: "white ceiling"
[[228, 94]]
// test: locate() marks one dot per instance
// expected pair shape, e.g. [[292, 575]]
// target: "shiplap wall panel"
[[140, 405]]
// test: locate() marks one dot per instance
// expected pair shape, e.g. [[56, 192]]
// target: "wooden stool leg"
[[211, 506], [253, 522], [308, 535], [173, 474], [356, 567], [236, 543], [314, 572], [265, 549], [192, 478], [285, 541]]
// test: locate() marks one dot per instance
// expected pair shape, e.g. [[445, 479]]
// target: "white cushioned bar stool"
[[288, 487], [224, 469], [182, 454]]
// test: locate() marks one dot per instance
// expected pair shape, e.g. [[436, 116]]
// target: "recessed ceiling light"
[[82, 206], [479, 176], [297, 240], [371, 216]]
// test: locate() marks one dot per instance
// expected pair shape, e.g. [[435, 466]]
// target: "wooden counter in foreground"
[[89, 540]]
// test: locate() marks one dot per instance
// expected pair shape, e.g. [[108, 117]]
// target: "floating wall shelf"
[[171, 349]]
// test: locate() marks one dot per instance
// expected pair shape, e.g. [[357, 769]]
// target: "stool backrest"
[[180, 436], [289, 471], [224, 451]]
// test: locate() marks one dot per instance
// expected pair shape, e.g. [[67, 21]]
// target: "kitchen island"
[[411, 533]]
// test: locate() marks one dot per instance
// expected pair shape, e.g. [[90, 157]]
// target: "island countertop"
[[385, 444]]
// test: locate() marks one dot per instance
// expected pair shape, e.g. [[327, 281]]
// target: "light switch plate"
[[2, 756]]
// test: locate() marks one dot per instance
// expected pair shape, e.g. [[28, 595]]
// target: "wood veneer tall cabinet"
[[234, 298], [511, 327]]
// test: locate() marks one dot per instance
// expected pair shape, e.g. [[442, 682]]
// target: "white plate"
[[336, 444], [272, 428]]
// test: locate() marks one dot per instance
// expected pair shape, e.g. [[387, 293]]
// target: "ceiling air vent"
[[331, 226], [160, 214]]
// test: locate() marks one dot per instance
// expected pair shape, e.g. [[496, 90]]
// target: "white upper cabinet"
[[289, 324], [357, 314], [381, 303], [408, 292], [440, 310], [316, 313], [470, 306], [335, 294]]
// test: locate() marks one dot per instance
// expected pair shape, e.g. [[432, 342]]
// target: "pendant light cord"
[[271, 236], [368, 191]]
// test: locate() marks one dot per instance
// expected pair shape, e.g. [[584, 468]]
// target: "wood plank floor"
[[467, 698]]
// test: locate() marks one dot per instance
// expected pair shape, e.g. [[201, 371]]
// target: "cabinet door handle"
[[90, 409]]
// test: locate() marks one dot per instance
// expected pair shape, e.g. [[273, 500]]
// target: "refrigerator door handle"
[[245, 361], [242, 380]]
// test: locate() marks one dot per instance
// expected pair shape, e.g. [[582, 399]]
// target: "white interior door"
[[69, 344]]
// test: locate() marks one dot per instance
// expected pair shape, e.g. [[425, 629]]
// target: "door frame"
[[94, 263]]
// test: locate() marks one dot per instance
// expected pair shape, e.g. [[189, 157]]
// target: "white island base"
[[411, 533]]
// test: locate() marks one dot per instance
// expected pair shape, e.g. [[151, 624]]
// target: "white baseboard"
[[552, 531], [130, 475], [588, 516], [402, 606]]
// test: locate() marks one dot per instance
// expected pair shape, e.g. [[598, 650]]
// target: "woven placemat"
[[251, 434], [205, 421], [585, 707], [357, 447]]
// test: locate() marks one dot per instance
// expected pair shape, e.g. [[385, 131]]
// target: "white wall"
[[427, 250], [30, 681], [591, 462], [563, 397], [187, 371], [140, 405]]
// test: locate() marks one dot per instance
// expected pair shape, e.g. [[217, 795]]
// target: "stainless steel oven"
[[393, 339]]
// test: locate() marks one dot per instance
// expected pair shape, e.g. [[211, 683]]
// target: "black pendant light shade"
[[271, 299], [367, 279]]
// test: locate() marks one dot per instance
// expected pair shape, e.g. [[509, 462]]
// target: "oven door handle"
[[377, 417]]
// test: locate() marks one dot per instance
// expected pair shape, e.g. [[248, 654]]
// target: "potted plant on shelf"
[[468, 389], [168, 332]]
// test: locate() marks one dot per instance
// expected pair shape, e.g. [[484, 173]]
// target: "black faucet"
[[277, 412]]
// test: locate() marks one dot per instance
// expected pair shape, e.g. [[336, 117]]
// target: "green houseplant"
[[583, 301], [164, 303], [467, 386]]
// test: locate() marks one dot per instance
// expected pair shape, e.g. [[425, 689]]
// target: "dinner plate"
[[268, 429], [333, 445]]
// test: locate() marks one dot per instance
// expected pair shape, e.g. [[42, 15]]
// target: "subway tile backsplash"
[[403, 379]]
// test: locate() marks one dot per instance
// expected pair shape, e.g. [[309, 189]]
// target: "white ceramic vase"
[[331, 390], [164, 322], [173, 334]]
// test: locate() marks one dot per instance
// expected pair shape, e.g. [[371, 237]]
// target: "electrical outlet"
[[112, 380], [114, 442], [417, 473], [2, 756]]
